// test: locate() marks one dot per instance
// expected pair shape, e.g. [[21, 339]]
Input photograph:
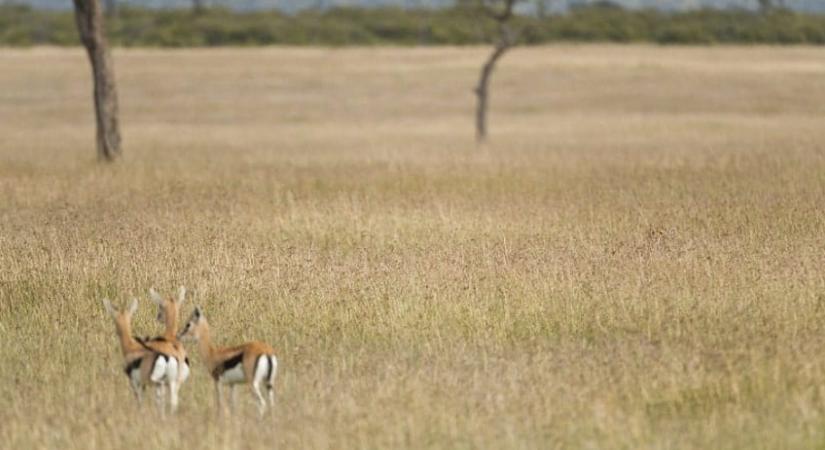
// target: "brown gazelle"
[[253, 363], [144, 366], [168, 314]]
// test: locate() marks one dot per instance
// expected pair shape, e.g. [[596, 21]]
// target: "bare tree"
[[501, 11], [198, 6], [89, 18]]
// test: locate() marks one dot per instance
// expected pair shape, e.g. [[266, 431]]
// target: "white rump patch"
[[172, 370], [261, 369], [158, 370]]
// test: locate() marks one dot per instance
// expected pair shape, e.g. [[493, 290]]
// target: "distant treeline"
[[21, 26]]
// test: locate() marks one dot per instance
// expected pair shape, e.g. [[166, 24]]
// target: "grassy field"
[[636, 260]]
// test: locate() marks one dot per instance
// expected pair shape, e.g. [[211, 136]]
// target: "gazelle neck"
[[205, 341], [127, 342], [171, 324]]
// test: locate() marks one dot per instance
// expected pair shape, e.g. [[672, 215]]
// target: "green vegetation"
[[350, 26]]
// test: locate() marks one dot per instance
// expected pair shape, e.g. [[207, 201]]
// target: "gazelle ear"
[[133, 306], [197, 312], [153, 294], [109, 308], [181, 295]]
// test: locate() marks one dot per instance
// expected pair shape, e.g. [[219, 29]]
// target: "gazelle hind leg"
[[137, 389], [156, 377], [219, 398], [262, 370], [173, 396], [270, 382], [256, 391], [172, 381], [160, 391]]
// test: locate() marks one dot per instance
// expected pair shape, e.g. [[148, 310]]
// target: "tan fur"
[[197, 328], [131, 349], [250, 350], [168, 313]]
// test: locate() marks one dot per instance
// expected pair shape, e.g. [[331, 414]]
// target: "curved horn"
[[109, 307], [181, 295], [153, 294], [133, 306]]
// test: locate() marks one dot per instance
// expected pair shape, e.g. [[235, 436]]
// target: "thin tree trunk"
[[482, 91], [506, 39], [197, 6], [89, 18]]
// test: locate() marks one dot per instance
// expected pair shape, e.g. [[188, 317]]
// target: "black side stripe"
[[134, 364], [146, 339], [143, 344], [227, 365]]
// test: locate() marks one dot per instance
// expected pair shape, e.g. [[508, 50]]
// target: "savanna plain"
[[636, 259]]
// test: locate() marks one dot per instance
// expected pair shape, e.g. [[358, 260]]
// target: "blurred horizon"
[[527, 6]]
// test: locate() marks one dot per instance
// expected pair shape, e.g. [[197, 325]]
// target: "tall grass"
[[635, 261]]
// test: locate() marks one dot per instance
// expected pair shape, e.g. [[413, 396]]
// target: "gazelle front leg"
[[233, 399], [219, 397], [271, 394], [137, 389]]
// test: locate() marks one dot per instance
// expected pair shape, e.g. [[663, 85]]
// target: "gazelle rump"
[[143, 365], [253, 363], [168, 314]]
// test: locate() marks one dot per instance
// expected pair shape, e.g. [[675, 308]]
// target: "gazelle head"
[[194, 326], [123, 319], [169, 305]]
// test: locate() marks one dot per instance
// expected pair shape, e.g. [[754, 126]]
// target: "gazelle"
[[168, 313], [143, 365], [253, 363]]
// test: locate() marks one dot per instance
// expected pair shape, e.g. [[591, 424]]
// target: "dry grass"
[[636, 261]]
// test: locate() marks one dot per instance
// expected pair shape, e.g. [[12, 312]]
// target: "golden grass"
[[635, 261]]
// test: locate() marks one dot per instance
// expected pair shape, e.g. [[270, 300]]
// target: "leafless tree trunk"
[[197, 6], [504, 41], [89, 18]]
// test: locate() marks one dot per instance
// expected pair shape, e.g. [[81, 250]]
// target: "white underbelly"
[[233, 375], [134, 376]]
